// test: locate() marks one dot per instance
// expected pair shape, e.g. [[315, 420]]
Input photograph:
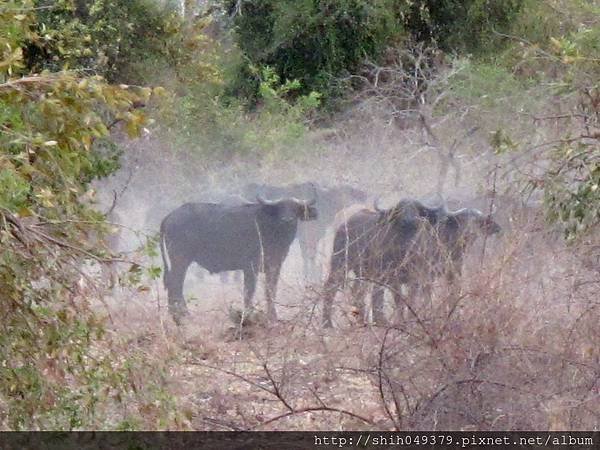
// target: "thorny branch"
[[26, 234], [274, 391], [382, 376]]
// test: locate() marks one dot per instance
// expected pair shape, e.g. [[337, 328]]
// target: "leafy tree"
[[117, 39], [310, 41], [206, 123], [572, 185], [318, 41], [462, 25], [54, 373], [555, 54]]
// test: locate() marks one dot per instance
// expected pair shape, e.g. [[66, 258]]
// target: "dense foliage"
[[311, 41], [106, 37], [316, 42], [55, 129], [572, 186], [555, 49], [463, 26]]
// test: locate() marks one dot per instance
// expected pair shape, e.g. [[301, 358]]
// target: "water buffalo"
[[254, 237], [329, 200], [376, 246], [159, 209], [453, 233], [410, 244]]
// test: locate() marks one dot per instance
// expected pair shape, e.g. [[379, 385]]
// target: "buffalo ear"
[[451, 222]]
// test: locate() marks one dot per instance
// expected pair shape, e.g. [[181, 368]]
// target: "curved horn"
[[444, 204], [431, 214], [458, 211], [476, 212], [246, 201], [470, 211], [305, 203], [263, 201]]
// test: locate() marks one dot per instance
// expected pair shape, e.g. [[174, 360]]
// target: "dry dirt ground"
[[516, 347]]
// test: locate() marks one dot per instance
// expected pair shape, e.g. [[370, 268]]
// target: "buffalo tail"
[[164, 253]]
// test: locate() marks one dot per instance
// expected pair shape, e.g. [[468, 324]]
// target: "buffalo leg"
[[174, 279], [358, 292], [249, 287], [377, 300], [454, 288], [400, 301], [334, 280], [271, 279], [309, 257]]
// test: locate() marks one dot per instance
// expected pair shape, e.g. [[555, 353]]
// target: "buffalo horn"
[[246, 201], [305, 203], [264, 201], [310, 202]]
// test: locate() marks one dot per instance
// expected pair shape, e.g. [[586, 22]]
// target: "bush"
[[107, 37], [310, 41], [462, 25], [316, 42], [562, 50], [59, 367], [207, 125]]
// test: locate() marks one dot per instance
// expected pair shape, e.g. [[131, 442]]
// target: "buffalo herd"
[[403, 249]]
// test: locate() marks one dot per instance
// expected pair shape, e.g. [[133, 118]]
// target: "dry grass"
[[516, 348]]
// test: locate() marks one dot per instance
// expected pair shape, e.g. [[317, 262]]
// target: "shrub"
[[58, 364], [311, 41], [462, 25], [107, 37], [206, 125]]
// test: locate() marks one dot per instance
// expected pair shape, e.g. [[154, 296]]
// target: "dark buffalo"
[[440, 249], [410, 244], [253, 238], [329, 201], [376, 246]]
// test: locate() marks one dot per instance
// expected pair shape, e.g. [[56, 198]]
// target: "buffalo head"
[[471, 219], [288, 210]]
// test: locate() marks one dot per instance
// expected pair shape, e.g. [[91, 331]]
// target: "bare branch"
[[313, 409], [276, 393], [381, 376]]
